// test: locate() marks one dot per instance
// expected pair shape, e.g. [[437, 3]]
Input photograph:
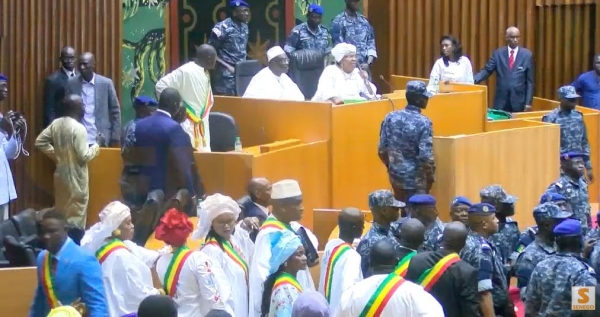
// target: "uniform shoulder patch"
[[485, 246], [558, 184], [217, 31]]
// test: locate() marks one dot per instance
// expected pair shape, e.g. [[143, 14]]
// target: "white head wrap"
[[341, 50], [274, 52], [214, 206], [111, 218]]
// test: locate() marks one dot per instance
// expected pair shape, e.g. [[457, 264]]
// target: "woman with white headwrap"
[[281, 288], [229, 246], [126, 267], [344, 82]]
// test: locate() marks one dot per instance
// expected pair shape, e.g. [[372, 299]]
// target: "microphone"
[[391, 90]]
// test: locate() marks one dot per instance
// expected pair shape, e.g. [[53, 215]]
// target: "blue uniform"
[[506, 240], [356, 31], [407, 135], [303, 38], [573, 133], [230, 40], [576, 193]]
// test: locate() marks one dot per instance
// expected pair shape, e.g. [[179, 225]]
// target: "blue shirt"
[[588, 86]]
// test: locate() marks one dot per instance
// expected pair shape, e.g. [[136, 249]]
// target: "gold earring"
[[117, 232]]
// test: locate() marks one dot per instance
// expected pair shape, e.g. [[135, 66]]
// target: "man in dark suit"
[[256, 203], [514, 74], [56, 82], [163, 152], [102, 112], [456, 288]]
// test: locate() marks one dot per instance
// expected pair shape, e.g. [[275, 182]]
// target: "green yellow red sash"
[[402, 266], [336, 254], [106, 250], [271, 222], [231, 253], [197, 117], [174, 270], [287, 278], [382, 296], [48, 282], [431, 276]]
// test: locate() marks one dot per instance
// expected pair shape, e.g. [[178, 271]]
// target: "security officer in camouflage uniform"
[[459, 210], [230, 39], [572, 185], [422, 207], [507, 238], [573, 133], [310, 35], [481, 254], [594, 233], [550, 284], [354, 28], [385, 210], [406, 145], [547, 216], [528, 235]]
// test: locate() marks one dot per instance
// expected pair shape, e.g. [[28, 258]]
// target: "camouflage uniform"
[[433, 236], [528, 235], [549, 289], [407, 135], [483, 255], [303, 38], [377, 199], [576, 193], [538, 250], [230, 40], [506, 239], [356, 31], [573, 134]]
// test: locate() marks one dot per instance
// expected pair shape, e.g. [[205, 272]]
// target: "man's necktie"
[[511, 59], [53, 265]]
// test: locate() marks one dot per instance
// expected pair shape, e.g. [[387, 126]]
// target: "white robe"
[[193, 85], [346, 273], [236, 277], [202, 286], [409, 300], [127, 278], [265, 85], [259, 269], [334, 82]]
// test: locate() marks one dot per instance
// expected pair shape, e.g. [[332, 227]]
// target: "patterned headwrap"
[[214, 206], [283, 245], [174, 228]]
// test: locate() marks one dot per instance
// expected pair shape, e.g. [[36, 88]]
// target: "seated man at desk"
[[272, 82], [344, 82]]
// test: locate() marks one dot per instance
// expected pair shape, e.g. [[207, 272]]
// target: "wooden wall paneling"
[[33, 32], [565, 44]]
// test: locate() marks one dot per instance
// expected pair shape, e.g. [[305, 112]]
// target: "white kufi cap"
[[286, 188], [341, 50], [274, 52]]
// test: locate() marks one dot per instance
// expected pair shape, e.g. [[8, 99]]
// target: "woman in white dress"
[[452, 67], [126, 267], [281, 289], [188, 276], [343, 81], [227, 245]]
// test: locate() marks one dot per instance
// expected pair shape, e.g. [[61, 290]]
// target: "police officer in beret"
[[310, 35]]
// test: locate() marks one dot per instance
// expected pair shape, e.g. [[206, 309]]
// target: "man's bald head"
[[72, 106], [206, 56], [454, 236], [383, 257], [351, 222], [412, 233], [67, 58], [512, 37], [259, 190], [169, 100]]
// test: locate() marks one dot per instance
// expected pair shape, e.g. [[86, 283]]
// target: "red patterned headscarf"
[[174, 228]]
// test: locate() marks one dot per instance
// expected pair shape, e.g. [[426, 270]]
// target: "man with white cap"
[[272, 82], [286, 199], [344, 82]]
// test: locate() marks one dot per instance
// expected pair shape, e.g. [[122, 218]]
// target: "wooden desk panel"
[[17, 290]]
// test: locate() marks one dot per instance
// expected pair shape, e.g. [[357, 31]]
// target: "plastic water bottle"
[[238, 144], [198, 206]]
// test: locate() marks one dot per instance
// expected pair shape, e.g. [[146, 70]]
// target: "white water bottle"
[[238, 144]]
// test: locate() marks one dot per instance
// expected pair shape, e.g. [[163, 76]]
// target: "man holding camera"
[[12, 131]]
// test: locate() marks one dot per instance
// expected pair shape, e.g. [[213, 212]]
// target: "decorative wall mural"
[[197, 19], [143, 49]]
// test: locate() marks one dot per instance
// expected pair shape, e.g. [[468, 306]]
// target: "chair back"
[[244, 71], [145, 220], [25, 222], [223, 132], [306, 67], [18, 253]]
